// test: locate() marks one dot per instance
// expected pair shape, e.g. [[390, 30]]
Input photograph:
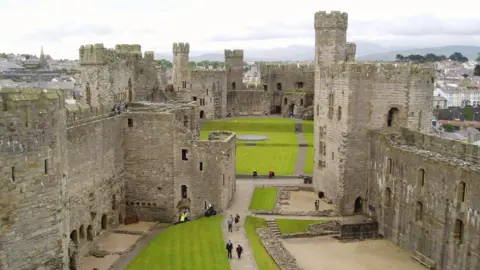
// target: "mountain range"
[[366, 51]]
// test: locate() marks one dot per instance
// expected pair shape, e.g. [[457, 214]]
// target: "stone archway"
[[358, 207], [104, 222], [202, 114]]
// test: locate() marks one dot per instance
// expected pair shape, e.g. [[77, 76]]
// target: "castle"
[[72, 172]]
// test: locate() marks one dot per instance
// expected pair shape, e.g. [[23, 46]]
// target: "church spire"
[[43, 59]]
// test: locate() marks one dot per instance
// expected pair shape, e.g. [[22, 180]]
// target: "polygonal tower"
[[180, 66], [330, 37], [234, 66], [331, 125]]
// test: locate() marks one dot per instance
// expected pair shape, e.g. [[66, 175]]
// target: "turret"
[[234, 66], [92, 54], [180, 66], [149, 55], [350, 52], [330, 37]]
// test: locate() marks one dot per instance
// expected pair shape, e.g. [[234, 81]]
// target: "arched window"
[[104, 222], [89, 233], [82, 232], [419, 211], [388, 197], [421, 178], [392, 115], [184, 192]]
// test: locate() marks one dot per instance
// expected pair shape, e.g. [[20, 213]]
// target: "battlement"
[[149, 55], [233, 54], [181, 47], [293, 68], [351, 48], [92, 54], [334, 19], [17, 101], [128, 49], [379, 70]]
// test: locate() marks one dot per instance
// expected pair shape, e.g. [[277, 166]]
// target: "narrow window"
[[130, 122], [318, 110], [458, 231], [45, 166], [421, 178], [301, 102], [184, 154], [389, 166], [265, 87], [419, 212], [185, 121], [461, 188], [339, 113], [388, 194], [205, 202], [233, 86], [201, 166], [279, 86], [285, 101], [184, 191], [223, 179], [13, 174]]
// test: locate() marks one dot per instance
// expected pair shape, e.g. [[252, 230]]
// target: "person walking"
[[237, 220], [239, 251], [229, 248], [230, 223]]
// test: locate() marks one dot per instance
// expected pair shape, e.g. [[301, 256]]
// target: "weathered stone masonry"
[[74, 172]]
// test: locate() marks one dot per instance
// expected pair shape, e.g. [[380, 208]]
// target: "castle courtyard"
[[325, 253]]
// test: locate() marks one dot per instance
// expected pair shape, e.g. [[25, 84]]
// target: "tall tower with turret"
[[234, 66], [180, 79], [331, 101]]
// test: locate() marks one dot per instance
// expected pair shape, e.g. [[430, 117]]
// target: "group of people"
[[117, 108], [271, 174], [229, 245]]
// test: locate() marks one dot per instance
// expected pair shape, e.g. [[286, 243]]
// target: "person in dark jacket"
[[239, 251], [229, 248]]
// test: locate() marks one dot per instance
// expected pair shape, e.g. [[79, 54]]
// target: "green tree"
[[476, 71], [399, 58], [3, 55], [459, 57], [468, 112], [192, 64], [448, 128], [164, 63]]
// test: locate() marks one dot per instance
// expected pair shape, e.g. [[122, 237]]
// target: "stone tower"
[[180, 79], [330, 37], [234, 66], [330, 128]]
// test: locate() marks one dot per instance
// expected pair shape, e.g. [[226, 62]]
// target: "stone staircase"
[[272, 225]]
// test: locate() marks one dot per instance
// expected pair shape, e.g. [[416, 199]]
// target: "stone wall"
[[247, 102], [425, 199], [32, 193], [352, 98], [209, 89], [95, 185]]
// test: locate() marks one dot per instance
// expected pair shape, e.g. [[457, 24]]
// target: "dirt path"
[[302, 149]]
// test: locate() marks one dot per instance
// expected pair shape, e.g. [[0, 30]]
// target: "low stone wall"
[[323, 213], [320, 229], [274, 247]]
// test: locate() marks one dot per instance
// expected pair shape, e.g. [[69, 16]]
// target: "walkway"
[[302, 150], [240, 204]]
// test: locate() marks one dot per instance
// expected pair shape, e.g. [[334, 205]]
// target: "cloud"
[[59, 33], [416, 26]]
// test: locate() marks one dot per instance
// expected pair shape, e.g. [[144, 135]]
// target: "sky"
[[213, 25]]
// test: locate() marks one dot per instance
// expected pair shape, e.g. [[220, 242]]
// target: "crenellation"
[[334, 19], [92, 54], [234, 53], [181, 47], [351, 50], [149, 56]]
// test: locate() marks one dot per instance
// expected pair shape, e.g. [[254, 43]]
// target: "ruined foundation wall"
[[418, 211], [248, 102], [95, 178], [32, 193]]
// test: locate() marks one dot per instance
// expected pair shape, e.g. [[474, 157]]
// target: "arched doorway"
[[321, 195], [89, 233], [202, 114], [74, 237], [358, 206], [234, 86], [392, 117], [104, 222]]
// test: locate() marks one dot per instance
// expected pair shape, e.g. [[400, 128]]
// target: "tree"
[[192, 64], [399, 58], [476, 71], [448, 128], [468, 112], [458, 57], [164, 63], [3, 55]]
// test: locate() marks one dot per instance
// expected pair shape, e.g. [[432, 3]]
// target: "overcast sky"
[[212, 25]]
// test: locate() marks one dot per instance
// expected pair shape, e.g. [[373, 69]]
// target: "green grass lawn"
[[308, 133], [279, 153], [294, 226], [262, 257], [196, 244], [263, 199]]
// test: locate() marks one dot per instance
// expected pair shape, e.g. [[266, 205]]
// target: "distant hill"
[[366, 51], [471, 52]]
